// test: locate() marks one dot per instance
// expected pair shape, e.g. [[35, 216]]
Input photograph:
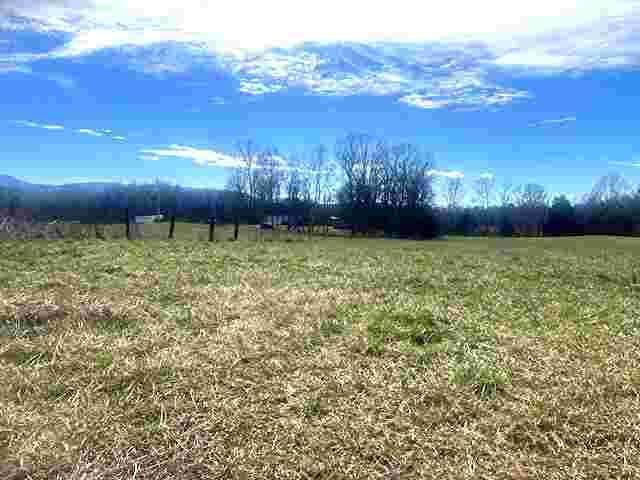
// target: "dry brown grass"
[[267, 371]]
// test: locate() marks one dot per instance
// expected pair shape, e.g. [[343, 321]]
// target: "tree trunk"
[[236, 224], [99, 231], [128, 224], [172, 227]]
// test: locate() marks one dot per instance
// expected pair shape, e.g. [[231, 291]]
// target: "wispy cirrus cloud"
[[90, 131], [199, 156], [84, 131], [209, 157], [554, 121], [44, 126]]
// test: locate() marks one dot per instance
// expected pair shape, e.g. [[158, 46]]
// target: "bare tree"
[[532, 203], [268, 176], [608, 188], [454, 192], [294, 180], [316, 172], [248, 153], [317, 167], [361, 158], [506, 193], [484, 187]]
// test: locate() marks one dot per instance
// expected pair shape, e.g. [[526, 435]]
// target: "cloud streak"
[[210, 158], [90, 131], [554, 121], [83, 131], [199, 156], [44, 126]]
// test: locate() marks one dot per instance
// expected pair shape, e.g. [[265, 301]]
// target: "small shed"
[[141, 219]]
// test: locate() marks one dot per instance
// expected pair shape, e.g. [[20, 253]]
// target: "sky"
[[133, 90]]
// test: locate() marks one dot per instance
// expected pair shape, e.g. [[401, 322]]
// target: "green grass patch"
[[104, 360], [312, 408], [26, 357], [410, 321], [482, 374], [58, 392]]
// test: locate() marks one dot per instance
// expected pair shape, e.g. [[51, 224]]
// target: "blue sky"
[[540, 91]]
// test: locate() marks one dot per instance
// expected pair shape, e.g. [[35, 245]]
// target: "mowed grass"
[[321, 358]]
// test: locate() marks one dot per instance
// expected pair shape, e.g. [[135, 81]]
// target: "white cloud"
[[609, 41], [420, 101], [44, 126], [104, 132], [90, 131], [427, 55], [249, 25], [420, 76], [152, 158], [206, 157], [472, 97], [218, 101], [445, 173], [554, 121], [199, 156], [255, 87], [487, 176]]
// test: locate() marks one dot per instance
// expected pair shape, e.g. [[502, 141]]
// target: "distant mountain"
[[12, 182], [86, 186], [7, 181]]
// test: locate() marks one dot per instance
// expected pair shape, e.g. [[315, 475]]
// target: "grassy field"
[[321, 358]]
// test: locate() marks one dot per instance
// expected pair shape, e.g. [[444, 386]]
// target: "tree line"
[[611, 208], [367, 186]]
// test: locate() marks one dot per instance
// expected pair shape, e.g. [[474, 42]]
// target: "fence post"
[[128, 224], [212, 227], [99, 230], [236, 222], [172, 227]]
